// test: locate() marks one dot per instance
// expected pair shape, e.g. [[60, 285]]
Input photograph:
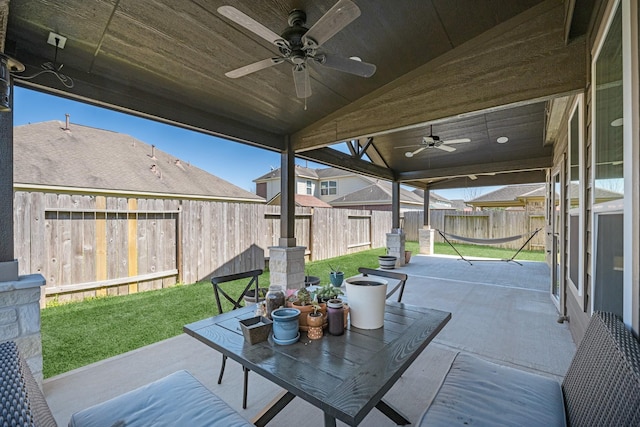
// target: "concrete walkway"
[[500, 311]]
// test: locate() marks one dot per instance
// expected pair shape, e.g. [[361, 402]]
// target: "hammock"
[[480, 241]]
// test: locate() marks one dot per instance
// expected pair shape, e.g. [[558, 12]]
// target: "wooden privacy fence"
[[484, 225], [96, 245]]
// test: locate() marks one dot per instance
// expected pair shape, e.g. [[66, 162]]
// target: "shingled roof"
[[96, 160], [303, 172], [379, 192]]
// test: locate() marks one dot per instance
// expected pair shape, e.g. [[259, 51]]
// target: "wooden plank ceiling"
[[457, 68]]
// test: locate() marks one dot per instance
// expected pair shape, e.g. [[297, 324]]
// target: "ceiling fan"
[[299, 45], [433, 141]]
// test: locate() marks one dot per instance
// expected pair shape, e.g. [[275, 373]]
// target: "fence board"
[[484, 224], [81, 241]]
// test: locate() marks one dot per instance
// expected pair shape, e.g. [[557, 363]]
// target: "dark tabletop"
[[345, 376]]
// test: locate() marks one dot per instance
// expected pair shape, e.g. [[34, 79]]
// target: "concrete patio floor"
[[500, 311]]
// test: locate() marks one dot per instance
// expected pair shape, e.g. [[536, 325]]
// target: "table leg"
[[329, 421], [273, 410], [392, 413]]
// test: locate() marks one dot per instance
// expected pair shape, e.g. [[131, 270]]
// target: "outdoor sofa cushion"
[[175, 400], [476, 392]]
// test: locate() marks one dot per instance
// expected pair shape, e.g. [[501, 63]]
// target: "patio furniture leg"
[[224, 362], [329, 421], [392, 413], [246, 384], [273, 409]]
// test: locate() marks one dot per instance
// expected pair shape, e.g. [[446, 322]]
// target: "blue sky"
[[237, 163]]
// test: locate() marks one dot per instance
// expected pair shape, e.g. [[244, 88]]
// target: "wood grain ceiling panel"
[[437, 61]]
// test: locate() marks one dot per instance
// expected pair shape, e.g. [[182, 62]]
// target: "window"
[[328, 188], [576, 198], [608, 141], [309, 187], [609, 186]]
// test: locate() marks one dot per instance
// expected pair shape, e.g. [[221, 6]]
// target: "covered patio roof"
[[455, 69]]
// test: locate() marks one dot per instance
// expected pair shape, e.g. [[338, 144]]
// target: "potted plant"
[[327, 292], [305, 302], [336, 276], [315, 320]]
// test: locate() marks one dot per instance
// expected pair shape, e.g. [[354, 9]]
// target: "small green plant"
[[302, 297], [335, 270], [328, 291]]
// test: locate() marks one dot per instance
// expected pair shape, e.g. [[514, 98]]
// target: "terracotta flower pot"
[[304, 311], [315, 320]]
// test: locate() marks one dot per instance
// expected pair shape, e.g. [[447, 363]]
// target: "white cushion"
[[480, 393], [175, 400]]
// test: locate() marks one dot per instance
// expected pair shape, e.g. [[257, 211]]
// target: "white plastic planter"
[[366, 297]]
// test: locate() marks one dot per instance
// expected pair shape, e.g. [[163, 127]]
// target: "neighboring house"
[[70, 158], [530, 197], [325, 183], [302, 200], [343, 189], [436, 201]]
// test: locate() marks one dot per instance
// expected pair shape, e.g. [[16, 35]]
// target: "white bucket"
[[366, 297]]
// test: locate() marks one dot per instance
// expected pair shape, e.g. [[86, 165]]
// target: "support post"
[[8, 264], [395, 206], [396, 239], [286, 261], [287, 196], [426, 235], [19, 296]]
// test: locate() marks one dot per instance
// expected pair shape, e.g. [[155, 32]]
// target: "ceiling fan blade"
[[249, 23], [445, 148], [252, 68], [413, 153], [336, 18], [301, 80], [456, 141], [347, 65], [408, 146]]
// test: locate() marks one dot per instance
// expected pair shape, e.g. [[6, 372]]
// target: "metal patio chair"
[[218, 292], [400, 277]]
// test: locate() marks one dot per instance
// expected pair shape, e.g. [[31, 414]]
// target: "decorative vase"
[[285, 325], [335, 316], [336, 278], [367, 296], [274, 299], [315, 322], [387, 262]]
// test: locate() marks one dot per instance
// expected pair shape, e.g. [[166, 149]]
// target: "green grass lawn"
[[77, 334]]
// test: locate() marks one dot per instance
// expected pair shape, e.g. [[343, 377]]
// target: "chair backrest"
[[602, 385], [217, 290], [400, 277]]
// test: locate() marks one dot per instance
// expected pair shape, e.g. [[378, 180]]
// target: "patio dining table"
[[345, 376]]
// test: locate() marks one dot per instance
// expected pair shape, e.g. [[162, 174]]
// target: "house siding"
[[577, 307]]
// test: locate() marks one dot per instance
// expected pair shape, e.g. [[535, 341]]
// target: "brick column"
[[286, 266], [396, 245], [426, 237], [20, 318]]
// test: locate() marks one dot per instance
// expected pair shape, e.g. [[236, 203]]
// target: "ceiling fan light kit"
[[299, 45]]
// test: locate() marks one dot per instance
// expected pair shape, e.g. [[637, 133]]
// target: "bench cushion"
[[480, 393], [175, 400]]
